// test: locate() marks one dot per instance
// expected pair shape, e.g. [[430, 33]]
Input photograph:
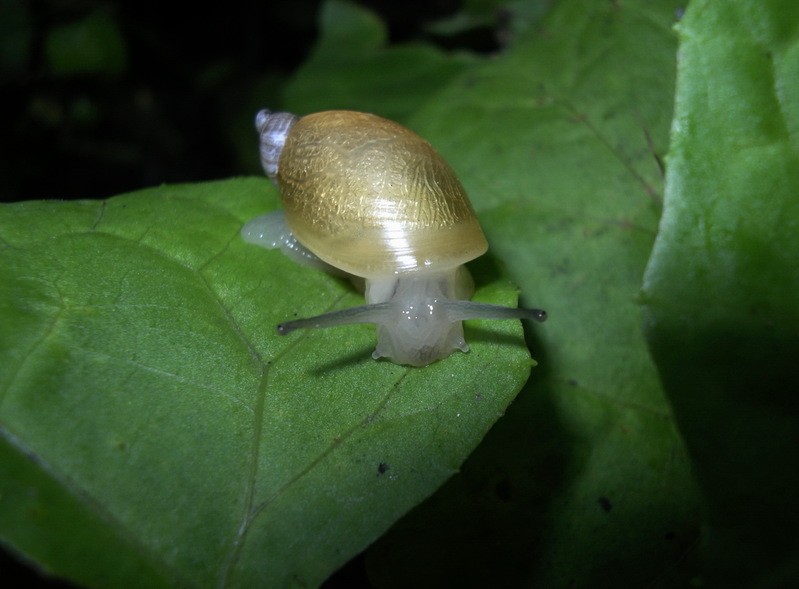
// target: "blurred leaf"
[[351, 67], [508, 18], [155, 430], [722, 286], [16, 33], [92, 45]]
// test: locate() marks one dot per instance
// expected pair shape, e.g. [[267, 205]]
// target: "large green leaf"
[[155, 430], [722, 287]]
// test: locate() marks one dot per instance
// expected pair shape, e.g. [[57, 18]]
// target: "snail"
[[366, 197]]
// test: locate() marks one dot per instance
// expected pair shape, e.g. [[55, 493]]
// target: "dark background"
[[157, 100]]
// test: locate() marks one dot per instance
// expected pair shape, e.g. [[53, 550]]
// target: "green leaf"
[[722, 286], [154, 424]]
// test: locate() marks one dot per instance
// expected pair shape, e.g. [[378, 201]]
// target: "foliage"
[[722, 288], [148, 410]]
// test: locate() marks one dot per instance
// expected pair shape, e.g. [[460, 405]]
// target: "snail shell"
[[366, 196], [370, 197]]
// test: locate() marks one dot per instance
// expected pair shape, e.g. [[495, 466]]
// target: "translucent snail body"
[[367, 197]]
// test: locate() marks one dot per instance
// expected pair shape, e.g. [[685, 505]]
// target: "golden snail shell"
[[368, 197]]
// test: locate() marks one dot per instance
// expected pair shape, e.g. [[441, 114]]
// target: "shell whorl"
[[273, 128]]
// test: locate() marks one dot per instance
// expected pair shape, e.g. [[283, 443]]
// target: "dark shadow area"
[[484, 527], [734, 389], [20, 574], [345, 361], [486, 269]]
